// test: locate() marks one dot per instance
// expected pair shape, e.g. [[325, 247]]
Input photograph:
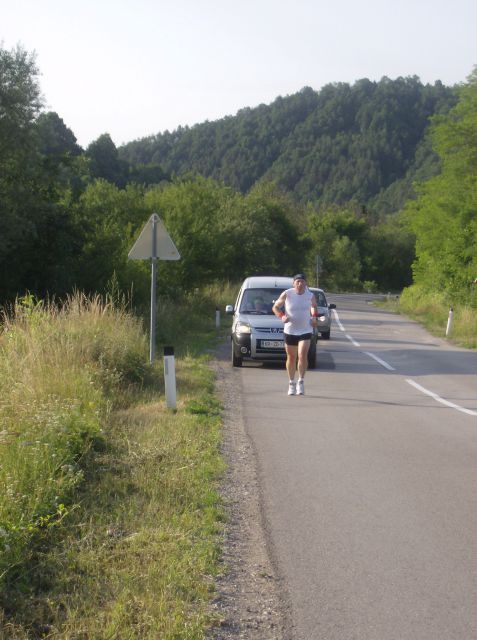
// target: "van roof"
[[267, 282]]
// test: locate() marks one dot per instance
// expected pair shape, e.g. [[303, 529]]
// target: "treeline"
[[361, 143], [70, 215]]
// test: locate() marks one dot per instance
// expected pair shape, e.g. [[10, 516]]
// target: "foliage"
[[263, 236], [340, 144], [353, 249], [37, 239], [237, 195], [109, 514], [105, 162], [59, 366], [444, 216], [236, 150], [222, 235], [192, 210], [56, 139], [387, 255], [431, 308], [107, 219]]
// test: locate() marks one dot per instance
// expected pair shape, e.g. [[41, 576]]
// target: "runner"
[[299, 318]]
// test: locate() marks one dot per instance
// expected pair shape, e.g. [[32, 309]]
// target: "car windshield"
[[320, 298], [259, 301]]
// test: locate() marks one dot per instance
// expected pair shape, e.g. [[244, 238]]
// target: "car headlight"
[[243, 327]]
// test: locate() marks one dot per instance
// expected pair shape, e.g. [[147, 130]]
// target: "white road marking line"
[[381, 362], [338, 320], [408, 380], [439, 399], [356, 344]]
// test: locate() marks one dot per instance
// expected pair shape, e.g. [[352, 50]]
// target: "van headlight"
[[243, 327]]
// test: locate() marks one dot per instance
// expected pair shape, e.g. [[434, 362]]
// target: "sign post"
[[319, 263], [152, 326], [154, 243]]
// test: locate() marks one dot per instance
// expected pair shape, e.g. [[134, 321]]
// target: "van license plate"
[[272, 344]]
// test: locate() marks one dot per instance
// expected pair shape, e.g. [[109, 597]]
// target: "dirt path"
[[248, 592]]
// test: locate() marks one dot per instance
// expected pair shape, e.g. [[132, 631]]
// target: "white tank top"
[[297, 308]]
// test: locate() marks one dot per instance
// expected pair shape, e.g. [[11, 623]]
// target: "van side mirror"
[[332, 306], [229, 309]]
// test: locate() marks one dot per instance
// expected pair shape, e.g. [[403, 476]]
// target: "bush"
[[432, 309]]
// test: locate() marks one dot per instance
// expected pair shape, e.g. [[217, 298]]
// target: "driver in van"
[[299, 317], [259, 305], [256, 305]]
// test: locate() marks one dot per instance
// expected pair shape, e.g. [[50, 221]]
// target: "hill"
[[364, 143]]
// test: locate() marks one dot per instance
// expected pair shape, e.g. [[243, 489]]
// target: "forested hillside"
[[313, 178], [363, 143]]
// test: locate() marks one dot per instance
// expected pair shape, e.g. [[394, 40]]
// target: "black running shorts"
[[294, 340]]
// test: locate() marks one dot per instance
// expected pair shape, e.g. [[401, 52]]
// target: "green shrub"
[[58, 366], [432, 309]]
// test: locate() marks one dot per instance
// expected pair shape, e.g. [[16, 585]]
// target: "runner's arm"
[[277, 307], [314, 311]]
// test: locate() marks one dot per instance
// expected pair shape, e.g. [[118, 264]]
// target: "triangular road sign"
[[147, 246]]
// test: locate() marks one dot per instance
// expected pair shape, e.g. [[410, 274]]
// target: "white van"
[[257, 334]]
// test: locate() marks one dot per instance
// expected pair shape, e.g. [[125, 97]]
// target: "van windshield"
[[259, 301]]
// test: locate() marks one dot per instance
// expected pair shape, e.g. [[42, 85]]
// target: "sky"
[[134, 68]]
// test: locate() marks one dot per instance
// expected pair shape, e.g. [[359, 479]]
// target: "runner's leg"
[[303, 348], [292, 352]]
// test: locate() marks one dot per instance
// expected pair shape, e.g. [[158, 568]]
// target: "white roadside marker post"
[[449, 322], [170, 377]]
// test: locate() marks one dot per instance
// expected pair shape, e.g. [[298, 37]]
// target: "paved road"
[[369, 481]]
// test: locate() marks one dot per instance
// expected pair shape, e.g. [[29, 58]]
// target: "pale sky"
[[133, 68]]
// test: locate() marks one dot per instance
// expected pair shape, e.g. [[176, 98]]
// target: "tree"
[[267, 236], [344, 265], [444, 216], [56, 139], [19, 104], [191, 209], [105, 162], [344, 143], [108, 219], [387, 256], [37, 238], [338, 237]]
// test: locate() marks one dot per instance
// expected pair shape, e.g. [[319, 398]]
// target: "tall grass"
[[187, 321], [432, 310], [109, 514], [56, 366]]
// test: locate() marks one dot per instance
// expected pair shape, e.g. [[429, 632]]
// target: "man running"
[[299, 318]]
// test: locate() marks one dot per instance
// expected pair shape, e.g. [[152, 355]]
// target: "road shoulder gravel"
[[249, 597]]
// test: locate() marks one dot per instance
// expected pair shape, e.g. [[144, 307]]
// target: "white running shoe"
[[291, 388], [300, 388]]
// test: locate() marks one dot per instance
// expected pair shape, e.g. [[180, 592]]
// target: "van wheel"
[[312, 358], [236, 360]]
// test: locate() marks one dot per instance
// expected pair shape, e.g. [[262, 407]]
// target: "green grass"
[[110, 516], [431, 309]]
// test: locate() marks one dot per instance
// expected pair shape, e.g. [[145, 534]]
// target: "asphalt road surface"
[[369, 481]]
